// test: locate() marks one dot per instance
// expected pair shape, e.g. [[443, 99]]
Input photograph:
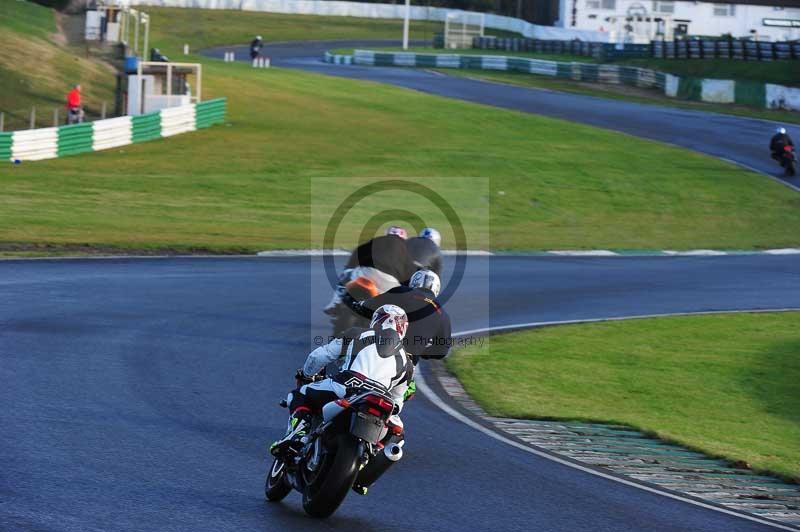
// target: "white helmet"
[[258, 37], [432, 234], [396, 230], [426, 279], [781, 131], [390, 317]]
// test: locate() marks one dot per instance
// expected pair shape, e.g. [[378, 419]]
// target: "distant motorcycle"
[[788, 160], [350, 445]]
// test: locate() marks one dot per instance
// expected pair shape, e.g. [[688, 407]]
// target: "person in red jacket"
[[74, 110]]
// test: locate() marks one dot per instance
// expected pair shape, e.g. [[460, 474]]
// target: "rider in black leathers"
[[779, 141], [429, 329], [424, 250]]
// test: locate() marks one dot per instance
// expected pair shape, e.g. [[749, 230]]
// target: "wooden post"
[[33, 117], [55, 117], [103, 111], [2, 120]]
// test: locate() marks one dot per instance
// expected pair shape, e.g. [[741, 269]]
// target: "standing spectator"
[[74, 110], [255, 48]]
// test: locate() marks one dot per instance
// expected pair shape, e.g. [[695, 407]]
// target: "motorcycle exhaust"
[[394, 452]]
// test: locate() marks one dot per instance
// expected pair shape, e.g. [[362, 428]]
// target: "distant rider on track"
[[424, 250], [779, 141]]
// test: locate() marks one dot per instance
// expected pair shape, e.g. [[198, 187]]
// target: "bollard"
[[103, 111], [33, 117], [185, 49], [261, 62], [55, 117]]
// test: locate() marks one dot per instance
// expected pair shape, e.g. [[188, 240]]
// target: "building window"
[[601, 4], [663, 7], [724, 10]]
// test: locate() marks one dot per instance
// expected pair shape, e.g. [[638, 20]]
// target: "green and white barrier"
[[640, 77], [51, 142], [706, 90]]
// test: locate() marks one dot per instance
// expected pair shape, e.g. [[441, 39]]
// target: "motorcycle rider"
[[373, 357], [779, 141], [384, 260], [424, 250], [429, 330]]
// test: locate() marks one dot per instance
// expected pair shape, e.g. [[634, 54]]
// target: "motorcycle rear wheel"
[[791, 168], [276, 486], [325, 493]]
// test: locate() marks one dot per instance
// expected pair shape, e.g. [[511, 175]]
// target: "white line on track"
[[433, 398]]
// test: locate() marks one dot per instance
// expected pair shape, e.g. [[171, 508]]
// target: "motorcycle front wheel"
[[326, 491], [277, 486]]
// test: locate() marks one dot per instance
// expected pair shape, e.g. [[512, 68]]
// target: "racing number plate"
[[366, 427]]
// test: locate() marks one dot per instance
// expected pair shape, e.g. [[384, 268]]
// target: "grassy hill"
[[37, 67]]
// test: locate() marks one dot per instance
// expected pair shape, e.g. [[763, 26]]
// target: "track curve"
[[738, 139], [140, 394]]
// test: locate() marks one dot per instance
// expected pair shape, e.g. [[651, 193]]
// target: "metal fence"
[[47, 116]]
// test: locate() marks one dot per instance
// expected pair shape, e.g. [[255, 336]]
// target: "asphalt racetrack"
[[140, 394], [738, 139]]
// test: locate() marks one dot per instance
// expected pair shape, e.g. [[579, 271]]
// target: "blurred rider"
[[424, 250], [384, 261], [373, 357], [778, 143], [255, 47]]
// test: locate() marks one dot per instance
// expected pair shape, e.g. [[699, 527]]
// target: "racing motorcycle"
[[788, 160], [349, 445]]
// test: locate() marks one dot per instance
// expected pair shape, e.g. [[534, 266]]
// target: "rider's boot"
[[296, 428]]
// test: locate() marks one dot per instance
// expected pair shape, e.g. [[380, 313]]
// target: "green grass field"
[[246, 186], [723, 384], [204, 28]]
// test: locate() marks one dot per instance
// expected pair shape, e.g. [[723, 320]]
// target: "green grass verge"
[[246, 185], [723, 384], [622, 92]]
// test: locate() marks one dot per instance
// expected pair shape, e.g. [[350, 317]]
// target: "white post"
[[169, 85], [140, 88], [199, 82], [185, 49], [146, 50], [405, 24], [136, 37]]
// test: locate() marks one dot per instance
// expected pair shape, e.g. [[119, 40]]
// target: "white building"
[[640, 20]]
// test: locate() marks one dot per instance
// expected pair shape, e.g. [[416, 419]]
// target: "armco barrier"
[[640, 77], [37, 144], [706, 90]]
